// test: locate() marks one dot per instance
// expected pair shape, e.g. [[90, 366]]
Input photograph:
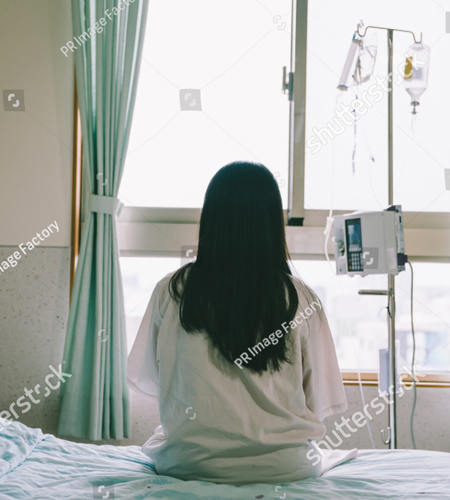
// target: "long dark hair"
[[239, 290]]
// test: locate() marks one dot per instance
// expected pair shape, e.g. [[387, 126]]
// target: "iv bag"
[[417, 65], [365, 63]]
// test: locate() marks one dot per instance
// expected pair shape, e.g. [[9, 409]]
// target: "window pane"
[[431, 315], [225, 58], [348, 313], [366, 316], [419, 160]]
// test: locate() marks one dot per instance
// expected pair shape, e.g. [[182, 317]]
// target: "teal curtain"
[[108, 37]]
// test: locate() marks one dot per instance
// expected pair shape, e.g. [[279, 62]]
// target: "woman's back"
[[223, 422], [237, 350]]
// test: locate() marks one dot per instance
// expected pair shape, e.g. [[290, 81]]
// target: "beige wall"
[[36, 144], [35, 191]]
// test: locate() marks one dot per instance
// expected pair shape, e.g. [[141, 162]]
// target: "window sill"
[[371, 379]]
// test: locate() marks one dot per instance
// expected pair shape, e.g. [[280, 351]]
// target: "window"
[[359, 323], [230, 56], [419, 157], [209, 93]]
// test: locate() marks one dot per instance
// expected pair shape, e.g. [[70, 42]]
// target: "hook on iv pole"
[[382, 28]]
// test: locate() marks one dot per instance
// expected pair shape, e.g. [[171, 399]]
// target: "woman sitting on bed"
[[236, 348]]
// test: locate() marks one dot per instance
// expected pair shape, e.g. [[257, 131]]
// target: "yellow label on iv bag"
[[409, 68]]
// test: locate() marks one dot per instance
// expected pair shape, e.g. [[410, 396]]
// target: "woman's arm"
[[143, 361], [322, 381]]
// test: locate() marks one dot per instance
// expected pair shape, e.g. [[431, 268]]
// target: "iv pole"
[[391, 438]]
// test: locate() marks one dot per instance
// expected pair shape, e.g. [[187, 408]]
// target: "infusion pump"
[[369, 242]]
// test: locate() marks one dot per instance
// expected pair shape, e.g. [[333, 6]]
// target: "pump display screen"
[[354, 244], [353, 227]]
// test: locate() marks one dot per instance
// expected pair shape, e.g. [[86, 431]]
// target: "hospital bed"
[[43, 467]]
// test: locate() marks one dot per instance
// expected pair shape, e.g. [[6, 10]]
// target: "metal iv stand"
[[391, 438]]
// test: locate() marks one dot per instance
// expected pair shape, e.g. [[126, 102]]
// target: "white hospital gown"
[[224, 424]]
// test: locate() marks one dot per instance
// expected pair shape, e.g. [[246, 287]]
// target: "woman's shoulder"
[[162, 292], [306, 295], [301, 287], [164, 282], [296, 280], [163, 285]]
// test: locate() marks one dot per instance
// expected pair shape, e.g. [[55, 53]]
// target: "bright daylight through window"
[[201, 105]]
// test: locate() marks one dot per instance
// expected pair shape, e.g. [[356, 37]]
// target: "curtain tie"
[[105, 204]]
